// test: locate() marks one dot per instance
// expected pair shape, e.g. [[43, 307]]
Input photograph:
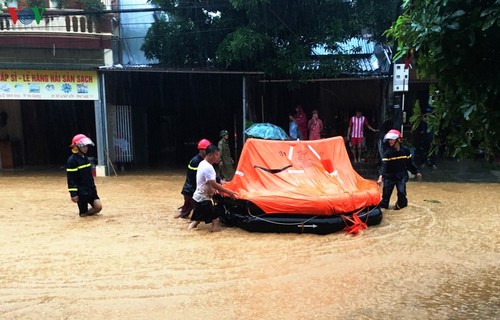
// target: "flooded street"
[[438, 258]]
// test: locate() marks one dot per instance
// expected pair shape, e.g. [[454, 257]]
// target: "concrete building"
[[49, 86]]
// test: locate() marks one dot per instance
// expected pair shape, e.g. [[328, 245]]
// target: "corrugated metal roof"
[[158, 68], [350, 46], [369, 56]]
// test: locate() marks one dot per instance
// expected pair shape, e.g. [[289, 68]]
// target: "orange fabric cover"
[[317, 178]]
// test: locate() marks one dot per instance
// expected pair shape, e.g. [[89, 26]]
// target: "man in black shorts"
[[206, 184]]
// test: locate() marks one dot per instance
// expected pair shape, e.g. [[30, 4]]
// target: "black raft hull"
[[247, 216]]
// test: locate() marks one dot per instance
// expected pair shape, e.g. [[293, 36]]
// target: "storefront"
[[138, 119], [42, 110]]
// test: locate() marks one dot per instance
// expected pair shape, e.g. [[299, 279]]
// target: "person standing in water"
[[226, 163], [190, 183], [206, 185], [81, 184], [396, 162]]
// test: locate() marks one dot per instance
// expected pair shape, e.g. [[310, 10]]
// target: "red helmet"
[[81, 140], [203, 144], [393, 134]]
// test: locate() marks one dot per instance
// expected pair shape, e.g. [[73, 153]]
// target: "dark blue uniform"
[[81, 181], [394, 171], [190, 183], [190, 186]]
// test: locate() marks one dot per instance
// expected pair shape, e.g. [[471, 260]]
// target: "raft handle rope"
[[356, 221], [367, 215], [281, 223], [273, 171]]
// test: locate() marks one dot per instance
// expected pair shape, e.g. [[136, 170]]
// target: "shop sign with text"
[[48, 85]]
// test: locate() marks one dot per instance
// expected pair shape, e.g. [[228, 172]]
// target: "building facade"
[[49, 86]]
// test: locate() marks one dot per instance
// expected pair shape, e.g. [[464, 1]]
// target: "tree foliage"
[[457, 42], [273, 36], [87, 5]]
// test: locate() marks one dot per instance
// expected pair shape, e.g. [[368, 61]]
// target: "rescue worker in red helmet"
[[396, 162], [81, 184], [190, 183]]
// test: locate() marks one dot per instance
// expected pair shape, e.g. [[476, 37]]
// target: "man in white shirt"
[[206, 185]]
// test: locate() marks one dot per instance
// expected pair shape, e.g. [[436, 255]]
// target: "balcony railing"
[[73, 23]]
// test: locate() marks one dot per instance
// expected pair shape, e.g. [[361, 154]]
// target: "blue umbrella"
[[267, 131]]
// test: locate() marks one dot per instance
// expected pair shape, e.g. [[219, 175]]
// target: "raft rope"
[[281, 223], [357, 223]]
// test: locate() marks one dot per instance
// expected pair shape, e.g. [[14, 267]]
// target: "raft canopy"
[[311, 177]]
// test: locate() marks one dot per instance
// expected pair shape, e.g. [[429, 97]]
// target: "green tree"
[[274, 36], [87, 5], [457, 43]]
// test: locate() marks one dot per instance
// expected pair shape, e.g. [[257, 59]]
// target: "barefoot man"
[[206, 184]]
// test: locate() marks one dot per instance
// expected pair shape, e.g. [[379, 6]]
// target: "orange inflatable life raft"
[[299, 186]]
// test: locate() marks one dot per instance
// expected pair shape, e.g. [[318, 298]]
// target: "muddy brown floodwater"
[[437, 259]]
